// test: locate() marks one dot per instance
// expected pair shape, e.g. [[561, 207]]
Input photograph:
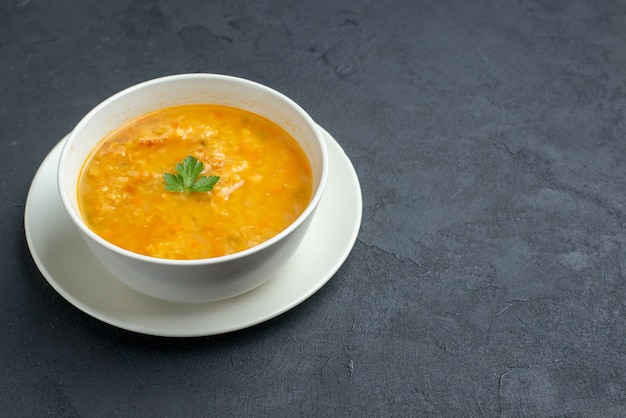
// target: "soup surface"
[[265, 183]]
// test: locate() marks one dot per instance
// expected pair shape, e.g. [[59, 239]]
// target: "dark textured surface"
[[489, 274]]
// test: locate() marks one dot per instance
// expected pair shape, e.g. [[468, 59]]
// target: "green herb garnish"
[[187, 179]]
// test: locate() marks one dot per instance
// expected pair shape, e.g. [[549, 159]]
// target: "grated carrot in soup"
[[265, 183]]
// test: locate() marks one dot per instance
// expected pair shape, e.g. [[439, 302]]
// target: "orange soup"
[[265, 183]]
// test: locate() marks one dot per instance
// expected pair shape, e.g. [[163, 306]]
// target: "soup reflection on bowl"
[[193, 187]]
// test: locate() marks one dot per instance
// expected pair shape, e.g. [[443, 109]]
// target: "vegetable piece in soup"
[[265, 183]]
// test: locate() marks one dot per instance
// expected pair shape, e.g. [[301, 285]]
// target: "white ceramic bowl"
[[208, 279]]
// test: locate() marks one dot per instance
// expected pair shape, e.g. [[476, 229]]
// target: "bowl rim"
[[306, 214]]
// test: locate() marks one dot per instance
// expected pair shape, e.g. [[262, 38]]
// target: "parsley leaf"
[[187, 179], [204, 184]]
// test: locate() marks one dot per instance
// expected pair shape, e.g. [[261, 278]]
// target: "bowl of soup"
[[193, 187]]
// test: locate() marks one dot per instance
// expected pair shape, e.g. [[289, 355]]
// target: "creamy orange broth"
[[265, 183]]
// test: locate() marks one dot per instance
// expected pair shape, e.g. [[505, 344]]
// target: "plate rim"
[[306, 293]]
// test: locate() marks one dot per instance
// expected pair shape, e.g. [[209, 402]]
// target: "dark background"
[[488, 278]]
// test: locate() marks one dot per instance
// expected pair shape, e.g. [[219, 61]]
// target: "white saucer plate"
[[70, 268]]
